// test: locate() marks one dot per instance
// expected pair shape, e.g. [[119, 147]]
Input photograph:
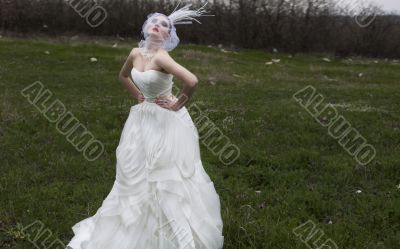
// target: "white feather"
[[185, 16]]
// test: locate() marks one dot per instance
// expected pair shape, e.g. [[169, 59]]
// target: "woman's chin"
[[155, 36]]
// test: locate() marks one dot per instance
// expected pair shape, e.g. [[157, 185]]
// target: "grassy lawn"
[[290, 170]]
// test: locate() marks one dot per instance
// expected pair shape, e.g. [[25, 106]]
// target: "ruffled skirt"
[[162, 198]]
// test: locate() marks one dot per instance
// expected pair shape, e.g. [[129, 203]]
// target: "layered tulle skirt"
[[162, 197]]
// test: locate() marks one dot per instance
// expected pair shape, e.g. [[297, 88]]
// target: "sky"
[[388, 5]]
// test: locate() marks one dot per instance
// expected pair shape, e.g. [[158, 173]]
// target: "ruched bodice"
[[152, 83]]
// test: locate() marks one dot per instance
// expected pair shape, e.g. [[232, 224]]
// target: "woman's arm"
[[190, 80], [123, 77]]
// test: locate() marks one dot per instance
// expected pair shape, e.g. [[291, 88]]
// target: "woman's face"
[[158, 27]]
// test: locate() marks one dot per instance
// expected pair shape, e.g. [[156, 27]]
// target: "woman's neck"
[[152, 44]]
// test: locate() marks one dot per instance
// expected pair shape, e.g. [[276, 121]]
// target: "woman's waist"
[[152, 97]]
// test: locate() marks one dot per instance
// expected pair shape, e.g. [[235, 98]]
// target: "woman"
[[162, 197]]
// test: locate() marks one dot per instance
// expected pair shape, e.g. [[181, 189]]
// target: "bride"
[[162, 198]]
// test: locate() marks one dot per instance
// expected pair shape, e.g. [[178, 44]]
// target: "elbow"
[[193, 82], [121, 78]]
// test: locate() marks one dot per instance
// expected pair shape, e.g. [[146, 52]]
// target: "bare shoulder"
[[163, 51], [163, 54], [134, 52]]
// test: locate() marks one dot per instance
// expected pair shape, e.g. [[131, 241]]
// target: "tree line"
[[286, 25]]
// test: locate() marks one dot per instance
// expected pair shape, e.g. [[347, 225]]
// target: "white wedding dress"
[[162, 198]]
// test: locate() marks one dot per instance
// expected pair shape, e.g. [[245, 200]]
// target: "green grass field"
[[290, 170]]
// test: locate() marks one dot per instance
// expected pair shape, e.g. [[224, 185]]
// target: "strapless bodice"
[[152, 83]]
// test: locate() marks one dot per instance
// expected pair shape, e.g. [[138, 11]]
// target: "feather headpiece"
[[185, 16]]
